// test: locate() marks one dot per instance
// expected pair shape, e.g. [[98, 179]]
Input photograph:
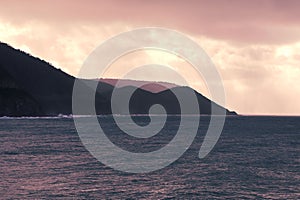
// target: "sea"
[[256, 157]]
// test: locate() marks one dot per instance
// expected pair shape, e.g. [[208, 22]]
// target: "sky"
[[254, 44]]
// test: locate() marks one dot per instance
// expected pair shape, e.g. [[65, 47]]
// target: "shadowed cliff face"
[[30, 86], [14, 101]]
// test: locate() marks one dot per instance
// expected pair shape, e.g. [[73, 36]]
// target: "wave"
[[39, 117], [61, 116]]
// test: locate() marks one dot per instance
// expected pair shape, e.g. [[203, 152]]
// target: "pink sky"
[[254, 44]]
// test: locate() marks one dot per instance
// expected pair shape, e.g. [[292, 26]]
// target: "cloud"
[[254, 44], [257, 21], [258, 78]]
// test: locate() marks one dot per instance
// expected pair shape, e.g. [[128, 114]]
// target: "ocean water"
[[255, 158]]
